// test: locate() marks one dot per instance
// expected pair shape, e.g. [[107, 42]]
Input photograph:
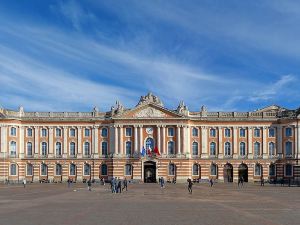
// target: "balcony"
[[289, 156], [212, 156], [29, 156], [86, 156], [257, 156], [73, 156], [58, 156], [43, 156], [12, 155], [242, 157], [227, 156]]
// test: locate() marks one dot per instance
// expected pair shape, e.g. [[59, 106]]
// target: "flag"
[[156, 150], [143, 151]]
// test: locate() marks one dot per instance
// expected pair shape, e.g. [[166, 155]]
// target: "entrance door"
[[228, 173], [149, 172], [243, 172]]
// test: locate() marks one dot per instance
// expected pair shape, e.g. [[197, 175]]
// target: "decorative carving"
[[203, 111], [182, 109], [117, 109], [149, 112], [150, 98]]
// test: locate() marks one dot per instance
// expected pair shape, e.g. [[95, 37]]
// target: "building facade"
[[179, 144]]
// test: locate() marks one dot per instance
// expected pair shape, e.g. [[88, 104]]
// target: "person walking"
[[211, 182], [24, 182], [89, 183], [190, 185], [119, 186], [124, 184], [242, 181], [239, 181], [69, 183], [262, 181], [112, 185]]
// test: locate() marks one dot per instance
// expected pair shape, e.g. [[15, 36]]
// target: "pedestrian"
[[89, 183], [282, 182], [69, 183], [211, 182], [242, 181], [119, 187], [190, 185], [112, 185], [103, 181], [125, 184], [262, 182], [24, 182], [239, 181]]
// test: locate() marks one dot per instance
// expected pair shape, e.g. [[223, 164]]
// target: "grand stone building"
[[53, 146]]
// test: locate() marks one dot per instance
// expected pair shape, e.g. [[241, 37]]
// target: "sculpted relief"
[[150, 112]]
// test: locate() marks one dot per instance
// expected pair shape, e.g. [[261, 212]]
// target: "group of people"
[[116, 185]]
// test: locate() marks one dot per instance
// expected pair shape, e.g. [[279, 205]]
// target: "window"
[[171, 150], [227, 132], [195, 169], [72, 132], [227, 149], [104, 170], [44, 148], [171, 169], [13, 169], [128, 170], [86, 148], [257, 170], [29, 132], [13, 131], [13, 149], [44, 169], [170, 132], [212, 148], [256, 132], [104, 148], [271, 148], [104, 132], [212, 132], [288, 148], [288, 170], [272, 170], [58, 170], [72, 170], [213, 170], [128, 132], [195, 132], [256, 148], [58, 149], [72, 149], [271, 132], [288, 132], [29, 169], [86, 132], [44, 132], [195, 148], [29, 148], [58, 132], [87, 170], [128, 147], [242, 149], [242, 132]]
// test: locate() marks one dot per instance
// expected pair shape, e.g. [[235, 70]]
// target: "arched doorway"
[[150, 172], [228, 173], [243, 172]]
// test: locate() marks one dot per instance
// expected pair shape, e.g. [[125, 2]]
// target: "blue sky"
[[72, 55]]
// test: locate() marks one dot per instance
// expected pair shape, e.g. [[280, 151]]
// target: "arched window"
[[212, 149], [212, 132], [213, 170], [227, 149], [271, 132], [29, 169], [171, 150], [44, 148], [44, 132], [128, 170], [13, 131], [104, 170], [257, 170], [128, 147], [256, 148], [86, 148], [271, 149], [29, 149], [58, 170], [104, 148], [242, 149], [195, 148], [44, 169], [242, 132], [195, 169], [72, 132], [29, 132], [288, 148], [171, 169], [13, 149], [288, 132], [272, 169], [72, 169], [86, 170], [256, 132], [13, 169], [104, 132], [227, 132], [58, 132], [195, 132], [72, 149], [58, 149]]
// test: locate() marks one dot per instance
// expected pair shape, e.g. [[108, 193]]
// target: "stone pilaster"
[[204, 142], [96, 141], [158, 139], [141, 136], [21, 142], [235, 143], [164, 140], [121, 144], [135, 130], [250, 143], [178, 140], [4, 139], [36, 141], [79, 142], [51, 142], [220, 142], [65, 146], [264, 144], [116, 140], [279, 140]]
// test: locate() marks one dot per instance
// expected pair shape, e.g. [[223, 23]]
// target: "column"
[[250, 144], [121, 144], [204, 142], [136, 150], [264, 144], [21, 142], [220, 142], [116, 140], [164, 140], [79, 142], [141, 136], [235, 143], [188, 141], [158, 139], [36, 140], [178, 140], [184, 140], [111, 140], [96, 140], [298, 141], [279, 140], [51, 142], [65, 148], [3, 138]]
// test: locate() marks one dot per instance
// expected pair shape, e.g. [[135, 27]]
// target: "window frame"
[[260, 170], [244, 132], [257, 132], [104, 165], [215, 148], [106, 135], [128, 132], [195, 132], [13, 132], [173, 169], [195, 143], [288, 134], [128, 170], [227, 132], [274, 134], [15, 169], [212, 132], [171, 134], [213, 165], [285, 170]]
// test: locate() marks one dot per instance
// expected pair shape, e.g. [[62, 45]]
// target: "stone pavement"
[[226, 204]]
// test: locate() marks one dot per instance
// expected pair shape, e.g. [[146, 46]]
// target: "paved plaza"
[[224, 204]]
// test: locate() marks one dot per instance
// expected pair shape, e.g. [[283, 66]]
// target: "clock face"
[[149, 130]]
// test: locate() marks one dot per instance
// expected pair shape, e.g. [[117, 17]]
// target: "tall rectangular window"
[[128, 132], [170, 131]]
